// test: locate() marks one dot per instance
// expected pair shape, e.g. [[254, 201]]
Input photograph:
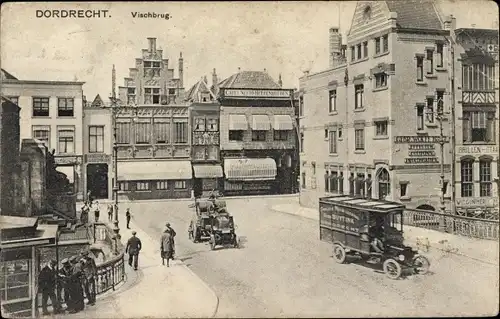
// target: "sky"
[[285, 38]]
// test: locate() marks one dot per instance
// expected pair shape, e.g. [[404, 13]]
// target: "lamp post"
[[442, 141], [116, 228]]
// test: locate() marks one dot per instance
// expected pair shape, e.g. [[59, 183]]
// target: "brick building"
[[152, 130], [369, 124], [205, 158], [257, 135]]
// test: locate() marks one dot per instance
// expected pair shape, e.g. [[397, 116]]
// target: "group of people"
[[74, 281], [93, 206]]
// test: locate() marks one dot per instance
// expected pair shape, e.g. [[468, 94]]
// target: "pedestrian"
[[90, 271], [128, 215], [65, 275], [89, 198], [47, 287], [172, 233], [84, 215], [76, 289], [110, 212], [133, 248], [96, 212], [166, 247]]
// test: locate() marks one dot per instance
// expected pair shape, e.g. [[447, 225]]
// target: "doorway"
[[384, 183], [97, 180]]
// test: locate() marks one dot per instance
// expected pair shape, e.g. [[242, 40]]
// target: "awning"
[[207, 171], [154, 170], [260, 122], [250, 169], [283, 123], [238, 122]]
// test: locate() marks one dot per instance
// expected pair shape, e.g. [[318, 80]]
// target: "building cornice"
[[43, 82], [421, 31]]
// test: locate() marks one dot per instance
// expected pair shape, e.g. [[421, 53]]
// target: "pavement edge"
[[214, 295]]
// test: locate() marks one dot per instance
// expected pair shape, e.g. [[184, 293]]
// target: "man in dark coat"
[[89, 271], [47, 286], [65, 275], [133, 248], [166, 247], [76, 290], [172, 233]]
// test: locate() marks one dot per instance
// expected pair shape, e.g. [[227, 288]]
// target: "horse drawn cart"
[[371, 230]]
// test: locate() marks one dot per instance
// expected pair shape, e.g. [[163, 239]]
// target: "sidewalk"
[[478, 249], [154, 291]]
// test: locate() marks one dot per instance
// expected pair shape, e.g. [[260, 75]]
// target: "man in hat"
[[128, 215], [133, 248], [76, 291], [166, 246], [96, 211], [89, 271], [47, 286], [65, 276]]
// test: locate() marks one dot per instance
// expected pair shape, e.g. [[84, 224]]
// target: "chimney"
[[335, 45], [181, 71], [450, 23], [215, 83], [113, 83], [393, 18], [152, 44], [280, 83], [265, 70]]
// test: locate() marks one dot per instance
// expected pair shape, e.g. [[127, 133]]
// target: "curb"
[[206, 286]]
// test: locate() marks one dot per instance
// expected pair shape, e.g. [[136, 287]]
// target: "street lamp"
[[442, 141], [116, 228]]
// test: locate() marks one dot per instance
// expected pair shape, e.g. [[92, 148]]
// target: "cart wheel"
[[392, 268], [421, 264], [339, 254], [212, 242]]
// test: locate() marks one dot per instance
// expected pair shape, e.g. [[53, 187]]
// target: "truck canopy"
[[364, 204]]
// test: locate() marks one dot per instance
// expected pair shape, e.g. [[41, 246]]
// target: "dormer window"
[[367, 13]]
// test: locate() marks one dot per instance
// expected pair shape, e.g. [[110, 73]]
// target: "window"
[[420, 117], [152, 68], [381, 128], [66, 140], [430, 61], [180, 185], [351, 184], [259, 136], [369, 186], [334, 182], [326, 133], [123, 186], [420, 69], [466, 174], [313, 166], [365, 49], [380, 80], [430, 110], [332, 101], [131, 96], [40, 106], [199, 124], [358, 96], [280, 135], [340, 132], [301, 106], [360, 184], [161, 129], [478, 126], [15, 280], [123, 133], [65, 107], [236, 135], [304, 180], [42, 133], [152, 96], [358, 48], [403, 188], [353, 53], [385, 40], [142, 186], [440, 102], [171, 91], [14, 99], [161, 185], [478, 77], [212, 125], [440, 55], [302, 142], [359, 139], [377, 45], [485, 178], [384, 183], [143, 133], [96, 139], [332, 142], [180, 132]]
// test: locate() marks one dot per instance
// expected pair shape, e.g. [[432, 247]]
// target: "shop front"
[[97, 173], [71, 167], [207, 178], [478, 207], [154, 179], [249, 176]]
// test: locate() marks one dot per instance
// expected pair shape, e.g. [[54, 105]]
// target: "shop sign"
[[67, 160], [257, 93], [97, 158], [420, 139], [421, 154], [477, 202], [479, 150]]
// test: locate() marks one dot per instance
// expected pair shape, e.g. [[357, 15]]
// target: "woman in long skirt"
[[167, 247]]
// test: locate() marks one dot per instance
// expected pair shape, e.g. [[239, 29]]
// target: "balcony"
[[478, 97]]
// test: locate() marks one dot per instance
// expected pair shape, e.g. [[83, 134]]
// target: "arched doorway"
[[426, 207], [97, 180], [384, 183]]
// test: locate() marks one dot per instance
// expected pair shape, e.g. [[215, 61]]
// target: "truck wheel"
[[421, 264], [392, 268], [339, 253], [236, 243]]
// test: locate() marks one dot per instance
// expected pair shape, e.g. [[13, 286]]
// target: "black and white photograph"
[[249, 159]]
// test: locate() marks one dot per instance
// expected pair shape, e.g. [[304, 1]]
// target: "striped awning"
[[207, 171], [260, 122], [238, 122], [154, 170], [250, 169], [283, 123]]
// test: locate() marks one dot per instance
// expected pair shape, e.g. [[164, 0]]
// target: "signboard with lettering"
[[477, 202], [67, 160], [339, 217], [97, 158], [421, 149], [420, 139], [257, 93], [477, 150]]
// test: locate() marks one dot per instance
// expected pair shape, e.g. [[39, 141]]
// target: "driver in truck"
[[377, 235]]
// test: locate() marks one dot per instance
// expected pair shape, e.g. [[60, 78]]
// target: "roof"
[[200, 87], [11, 222], [415, 14], [97, 101], [8, 105], [473, 32], [371, 204], [250, 80], [7, 76]]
